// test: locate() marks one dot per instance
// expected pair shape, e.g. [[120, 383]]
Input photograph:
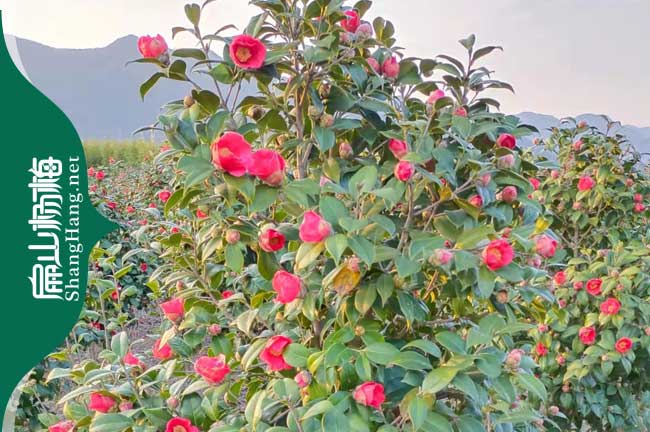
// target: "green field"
[[98, 152]]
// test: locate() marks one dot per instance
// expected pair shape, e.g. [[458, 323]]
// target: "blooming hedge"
[[362, 245]]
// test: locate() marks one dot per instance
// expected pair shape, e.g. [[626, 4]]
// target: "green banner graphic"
[[49, 224]]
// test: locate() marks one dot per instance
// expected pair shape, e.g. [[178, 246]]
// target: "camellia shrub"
[[361, 245], [594, 341]]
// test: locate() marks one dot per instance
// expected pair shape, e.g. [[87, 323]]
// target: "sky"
[[563, 57]]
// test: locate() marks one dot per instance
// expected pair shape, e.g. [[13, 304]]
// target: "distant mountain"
[[99, 93], [96, 89]]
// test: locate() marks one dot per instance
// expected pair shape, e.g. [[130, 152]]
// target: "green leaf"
[[336, 245], [110, 423], [193, 13], [120, 344], [363, 180], [148, 85], [234, 258], [381, 352], [438, 379], [363, 248], [412, 361], [451, 341], [364, 298], [486, 281], [533, 385], [196, 169], [307, 254], [296, 355], [406, 267], [418, 409], [325, 138]]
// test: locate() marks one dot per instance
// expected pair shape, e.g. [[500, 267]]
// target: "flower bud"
[[232, 236], [214, 330], [502, 296], [345, 150], [255, 112], [506, 161], [513, 359], [172, 403], [326, 121], [188, 101], [303, 379]]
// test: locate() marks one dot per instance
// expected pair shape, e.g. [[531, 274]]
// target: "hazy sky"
[[564, 57]]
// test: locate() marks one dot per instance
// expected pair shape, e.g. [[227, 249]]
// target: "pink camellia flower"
[[93, 188], [559, 278], [577, 145], [112, 205], [535, 183], [629, 182], [404, 171], [560, 359], [374, 64], [507, 140], [152, 47], [273, 353], [271, 240], [460, 112], [314, 229], [173, 309], [174, 230], [99, 175], [390, 67], [101, 403], [442, 256], [212, 369], [161, 352], [506, 161], [578, 285], [180, 424], [143, 267], [91, 172], [130, 209], [268, 166], [303, 379], [370, 394], [364, 31], [485, 179], [586, 183], [594, 286], [434, 96], [639, 208], [288, 286], [247, 52], [545, 246], [498, 254], [623, 345], [214, 329], [152, 205], [164, 195], [200, 214], [125, 406], [227, 294], [555, 174], [398, 148], [232, 153], [351, 22], [638, 198], [541, 349], [513, 359], [611, 306], [509, 194], [131, 360], [476, 201], [62, 426], [587, 335]]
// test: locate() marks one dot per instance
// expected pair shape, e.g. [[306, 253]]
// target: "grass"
[[98, 152]]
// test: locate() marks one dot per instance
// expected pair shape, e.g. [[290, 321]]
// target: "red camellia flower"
[[509, 194], [390, 67], [638, 198], [594, 286], [161, 352], [534, 183], [404, 171], [587, 335], [131, 360], [91, 172], [498, 254], [559, 278], [623, 345], [287, 285], [476, 201], [314, 229], [610, 306], [164, 195], [232, 153], [434, 96], [545, 246], [152, 47], [180, 424], [507, 140], [398, 148], [130, 209], [100, 175], [370, 394], [273, 351], [271, 240], [268, 166], [541, 349], [460, 112], [374, 64], [247, 52], [101, 403], [227, 294], [62, 426], [351, 21], [173, 309], [586, 183], [639, 208], [212, 369], [143, 267], [201, 214], [112, 205]]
